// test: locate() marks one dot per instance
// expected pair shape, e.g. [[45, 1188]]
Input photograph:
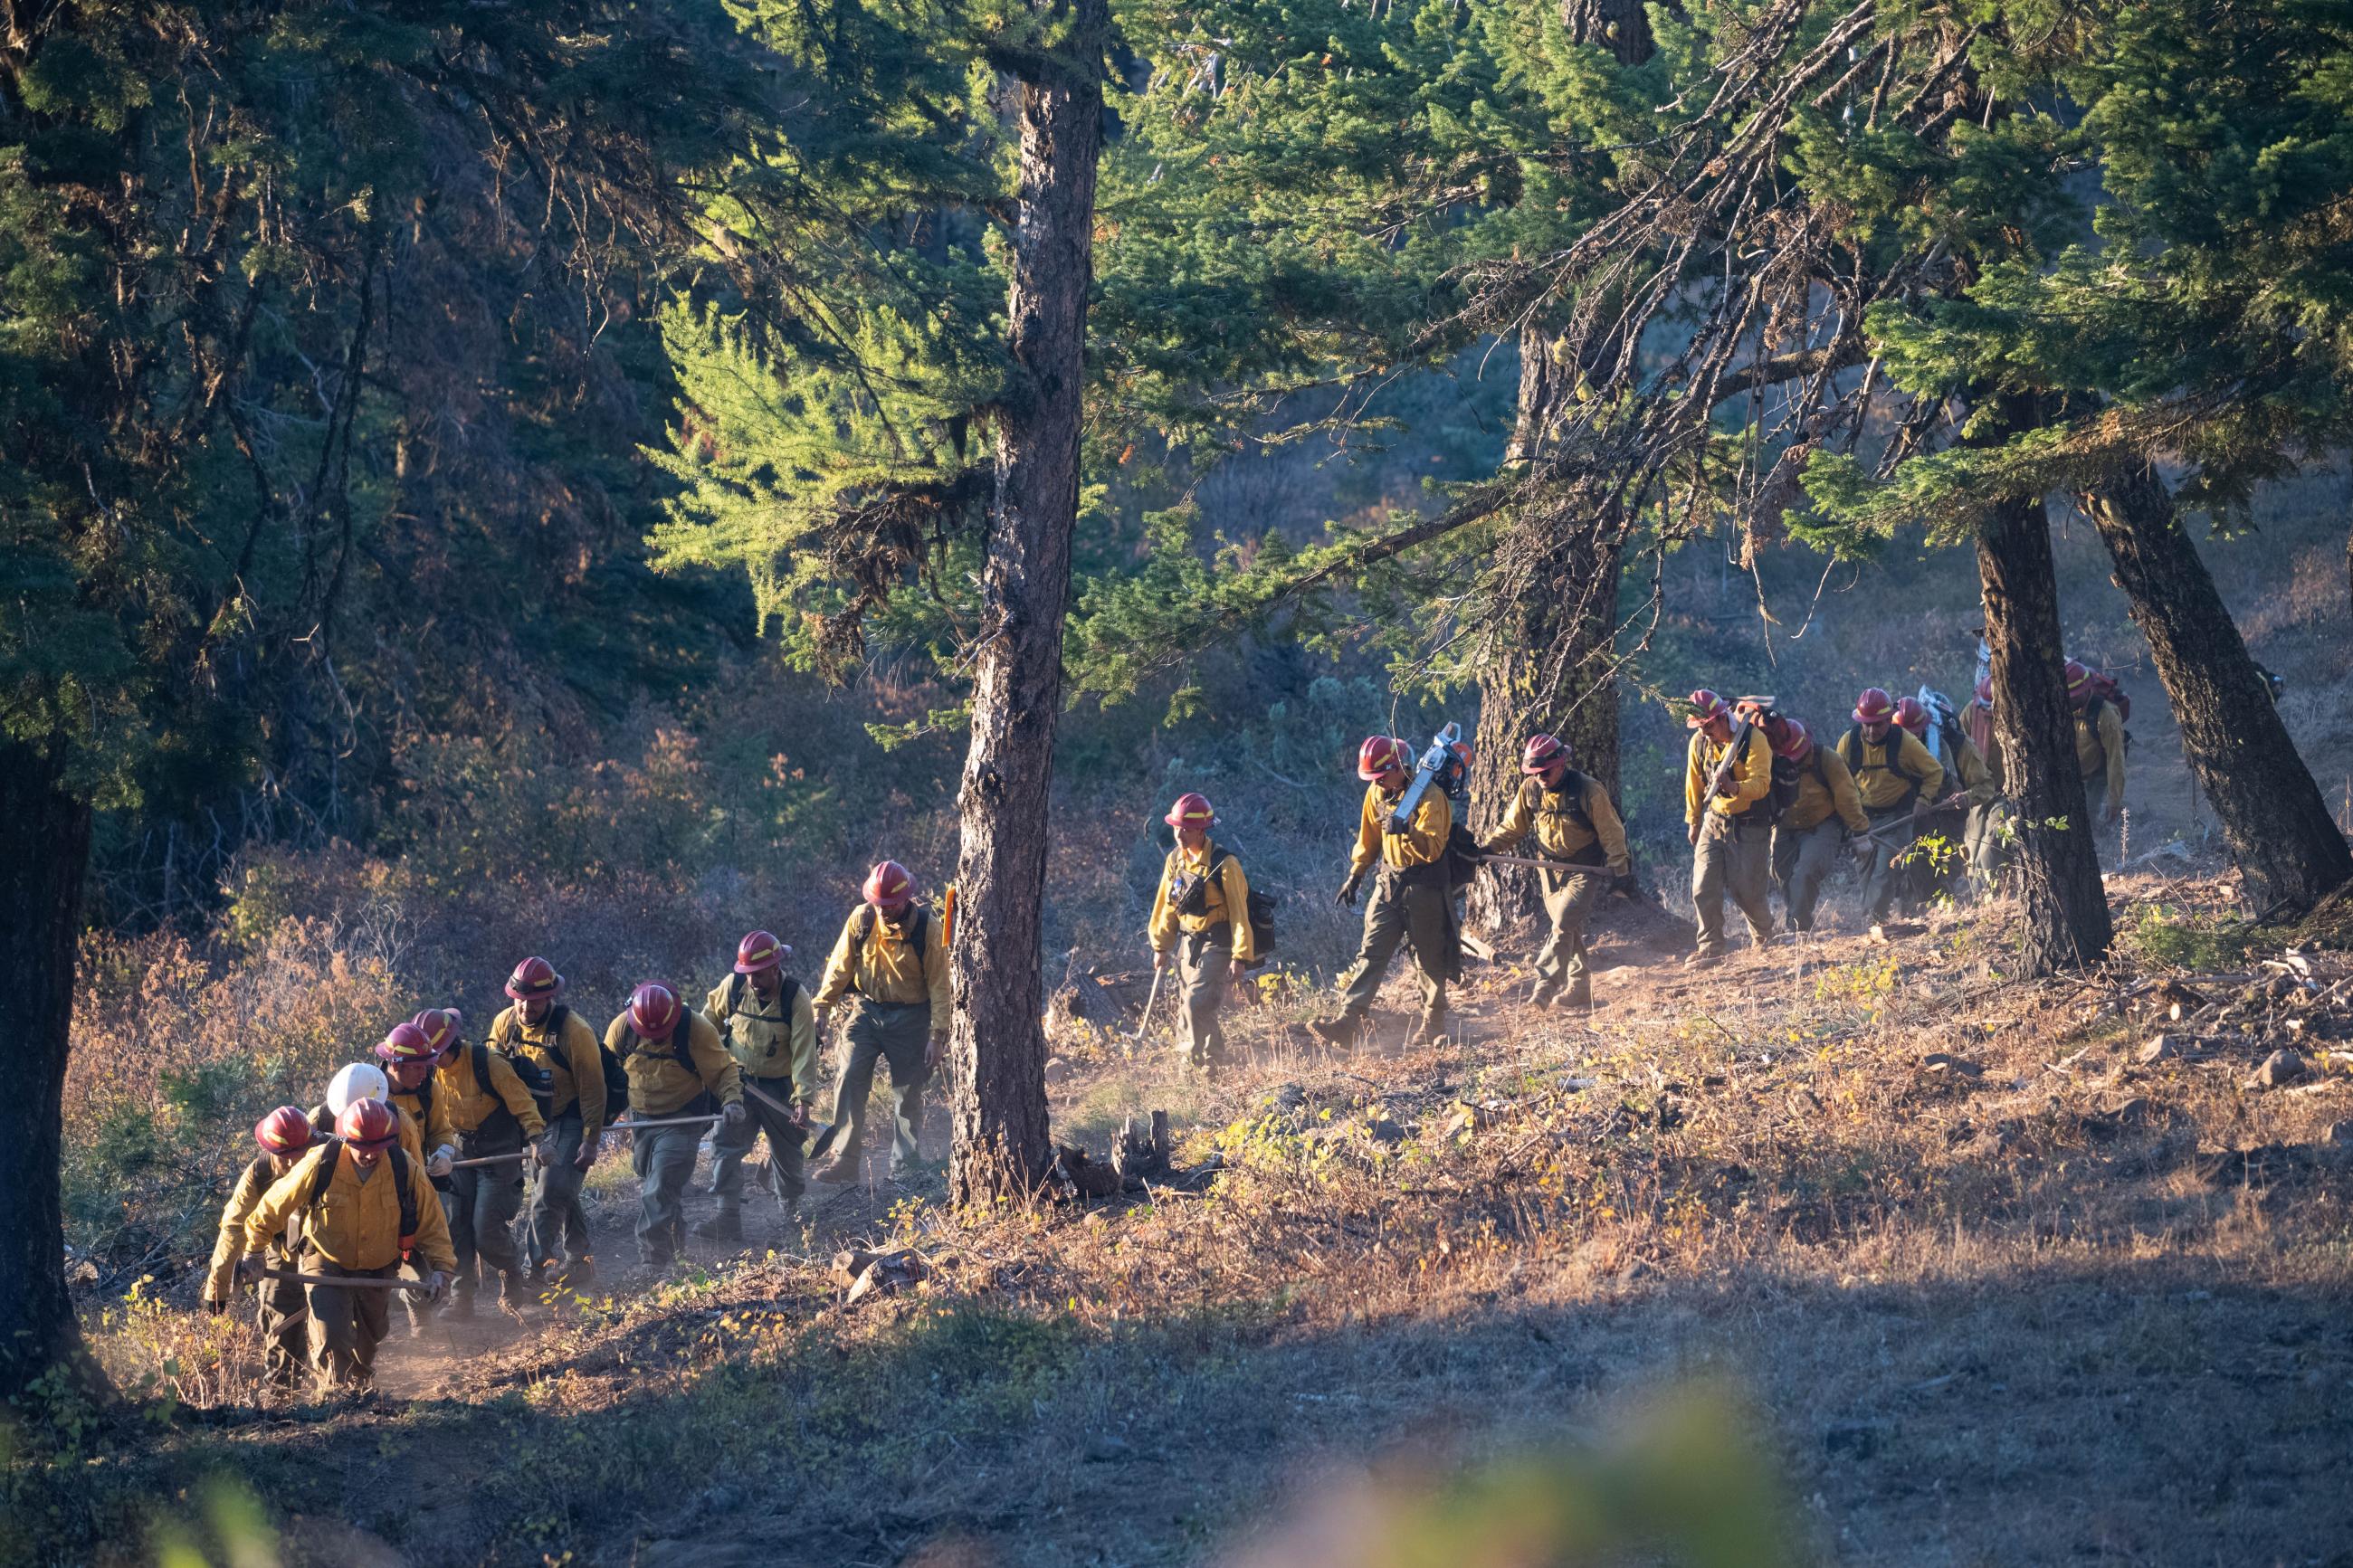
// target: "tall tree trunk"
[[2279, 829], [44, 855], [2058, 861], [1553, 672], [1002, 1143]]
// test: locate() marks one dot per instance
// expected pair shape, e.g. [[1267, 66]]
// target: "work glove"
[[588, 1155], [732, 1116], [436, 1287], [933, 1049], [1625, 886], [1241, 971], [443, 1159], [543, 1151], [1346, 897], [801, 1117], [249, 1271], [215, 1308], [1159, 961]]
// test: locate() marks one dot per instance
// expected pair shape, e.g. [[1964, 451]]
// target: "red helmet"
[[441, 1027], [1378, 754], [653, 1010], [285, 1131], [406, 1043], [1912, 716], [1541, 752], [760, 950], [368, 1124], [2079, 682], [1794, 742], [1984, 690], [1191, 811], [888, 885], [534, 978], [1707, 707], [1873, 707]]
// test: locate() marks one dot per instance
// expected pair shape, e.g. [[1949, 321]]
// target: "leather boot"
[[1428, 1030], [1338, 1031], [727, 1224], [840, 1169], [1545, 990]]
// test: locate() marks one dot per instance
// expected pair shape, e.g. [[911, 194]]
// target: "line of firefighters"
[[1764, 806], [412, 1171], [410, 1177]]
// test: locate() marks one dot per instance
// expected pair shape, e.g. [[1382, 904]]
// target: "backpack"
[[2105, 688], [1573, 785], [541, 1080], [787, 989], [861, 925], [324, 1177], [2090, 717], [1194, 900], [1849, 750], [482, 1055]]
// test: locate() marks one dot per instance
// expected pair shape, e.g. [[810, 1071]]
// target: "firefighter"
[[1806, 839], [1575, 824], [1972, 793], [491, 1113], [1898, 781], [1728, 790], [1200, 916], [2099, 740], [284, 1135], [676, 1068], [1411, 905], [892, 957], [769, 1025], [363, 1206], [407, 1060], [1986, 832], [554, 1052], [358, 1081]]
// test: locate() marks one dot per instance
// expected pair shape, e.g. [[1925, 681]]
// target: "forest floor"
[[1977, 1271]]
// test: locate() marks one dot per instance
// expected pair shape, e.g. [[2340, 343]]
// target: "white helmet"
[[358, 1081]]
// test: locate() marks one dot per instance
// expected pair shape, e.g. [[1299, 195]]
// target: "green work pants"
[[1204, 965], [557, 1223], [729, 1147], [1735, 857], [1803, 859], [663, 1158], [1888, 863], [283, 1315], [896, 1033], [346, 1326], [1983, 834], [1414, 915], [481, 1203], [1569, 901]]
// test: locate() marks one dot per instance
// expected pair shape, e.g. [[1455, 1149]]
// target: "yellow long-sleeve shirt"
[[2100, 751], [769, 1040], [1751, 775], [660, 1084], [430, 1111], [472, 1102], [884, 965], [562, 1045], [1973, 779], [1824, 786], [253, 1183], [1225, 899], [1552, 815], [356, 1222], [1421, 842], [1885, 770]]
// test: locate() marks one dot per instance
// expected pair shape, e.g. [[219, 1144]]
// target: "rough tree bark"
[[2057, 862], [2278, 825], [44, 855], [1002, 1145], [1516, 693]]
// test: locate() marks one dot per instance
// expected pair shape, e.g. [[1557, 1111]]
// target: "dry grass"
[[1995, 1315]]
